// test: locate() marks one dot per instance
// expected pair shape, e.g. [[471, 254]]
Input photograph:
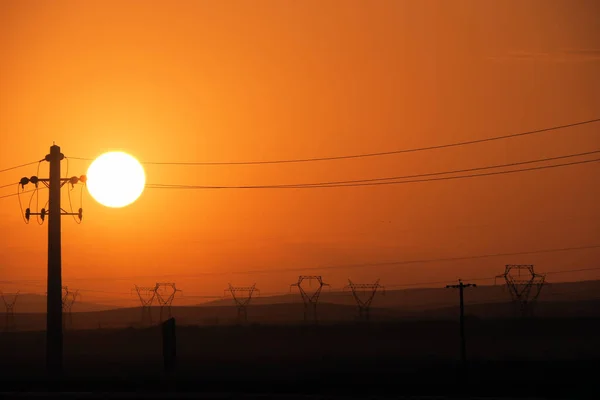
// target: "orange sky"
[[247, 80]]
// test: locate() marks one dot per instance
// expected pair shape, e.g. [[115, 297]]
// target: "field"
[[507, 358]]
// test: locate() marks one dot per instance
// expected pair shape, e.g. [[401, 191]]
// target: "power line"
[[489, 278], [384, 153], [25, 191], [332, 267], [405, 285], [19, 166], [8, 185], [384, 180], [333, 184]]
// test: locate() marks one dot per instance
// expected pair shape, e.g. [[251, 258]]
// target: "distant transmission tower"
[[364, 293], [524, 285], [69, 298], [242, 295], [147, 296], [9, 303], [165, 294], [310, 300]]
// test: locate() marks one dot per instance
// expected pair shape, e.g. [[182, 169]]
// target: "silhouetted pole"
[[54, 317], [463, 342], [54, 326], [169, 345]]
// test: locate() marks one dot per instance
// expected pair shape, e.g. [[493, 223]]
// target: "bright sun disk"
[[115, 179]]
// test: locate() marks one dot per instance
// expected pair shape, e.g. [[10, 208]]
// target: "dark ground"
[[537, 358]]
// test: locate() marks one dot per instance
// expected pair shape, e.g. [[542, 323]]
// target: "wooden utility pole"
[[54, 317], [463, 342], [54, 326]]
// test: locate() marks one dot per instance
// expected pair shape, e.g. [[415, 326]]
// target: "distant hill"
[[576, 299], [293, 313], [35, 303], [434, 298]]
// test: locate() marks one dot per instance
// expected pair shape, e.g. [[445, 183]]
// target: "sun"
[[115, 179]]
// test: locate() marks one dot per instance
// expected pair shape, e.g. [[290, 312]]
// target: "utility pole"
[[147, 296], [463, 344], [524, 285], [165, 294], [242, 295], [310, 300], [54, 323], [364, 302], [10, 311]]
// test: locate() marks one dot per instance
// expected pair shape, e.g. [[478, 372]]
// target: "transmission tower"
[[310, 300], [242, 295], [9, 303], [69, 298], [54, 324], [165, 294], [524, 285], [147, 296], [364, 293]]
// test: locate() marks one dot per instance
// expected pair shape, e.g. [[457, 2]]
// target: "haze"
[[238, 81]]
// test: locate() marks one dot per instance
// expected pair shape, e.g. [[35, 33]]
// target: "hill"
[[293, 314], [35, 303], [434, 298]]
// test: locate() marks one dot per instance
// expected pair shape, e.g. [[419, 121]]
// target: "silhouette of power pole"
[[463, 342], [524, 285], [54, 324], [10, 310], [147, 296], [310, 300], [242, 295], [165, 294], [364, 302]]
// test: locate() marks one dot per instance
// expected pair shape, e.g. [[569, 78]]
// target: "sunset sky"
[[230, 81]]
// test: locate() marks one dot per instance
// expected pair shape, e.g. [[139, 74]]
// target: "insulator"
[[34, 180], [27, 214], [83, 178], [80, 214], [23, 182], [43, 213], [73, 180]]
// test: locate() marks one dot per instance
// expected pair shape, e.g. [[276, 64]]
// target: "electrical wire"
[[20, 203], [37, 198], [384, 153], [385, 180], [8, 185], [19, 193], [333, 184], [19, 166], [342, 267], [406, 285], [69, 190]]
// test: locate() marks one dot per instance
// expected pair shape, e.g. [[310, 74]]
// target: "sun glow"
[[115, 179]]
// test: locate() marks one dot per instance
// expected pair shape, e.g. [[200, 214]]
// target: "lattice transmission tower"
[[146, 295], [242, 295], [524, 285], [309, 298], [165, 294], [69, 298], [364, 293], [10, 299]]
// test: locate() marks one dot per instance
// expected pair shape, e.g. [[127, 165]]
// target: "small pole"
[[169, 345], [463, 341]]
